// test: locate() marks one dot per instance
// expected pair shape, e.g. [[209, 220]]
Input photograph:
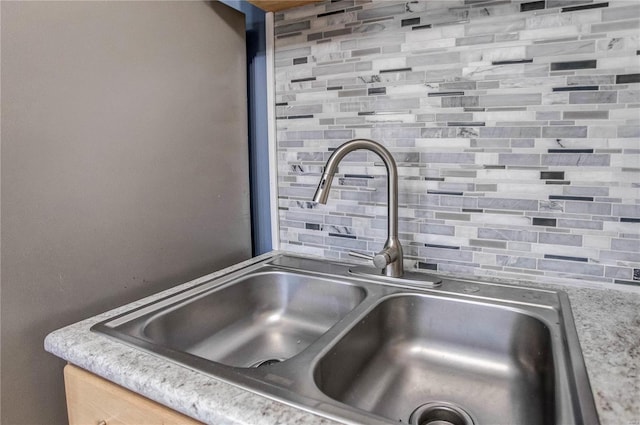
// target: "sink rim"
[[540, 314], [275, 383]]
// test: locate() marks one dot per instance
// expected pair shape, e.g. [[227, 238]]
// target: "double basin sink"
[[310, 334]]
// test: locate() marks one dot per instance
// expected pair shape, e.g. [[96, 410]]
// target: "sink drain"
[[267, 362], [440, 413]]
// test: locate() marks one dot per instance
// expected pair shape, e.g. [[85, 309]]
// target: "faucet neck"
[[392, 177], [391, 253]]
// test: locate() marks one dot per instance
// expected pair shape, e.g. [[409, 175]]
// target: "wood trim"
[[276, 5], [94, 400]]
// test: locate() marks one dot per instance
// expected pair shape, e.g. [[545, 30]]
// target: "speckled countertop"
[[607, 321]]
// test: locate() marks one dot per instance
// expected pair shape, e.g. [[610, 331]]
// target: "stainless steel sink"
[[496, 364], [265, 317], [310, 334]]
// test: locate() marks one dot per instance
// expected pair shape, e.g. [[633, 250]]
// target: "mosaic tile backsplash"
[[515, 126]]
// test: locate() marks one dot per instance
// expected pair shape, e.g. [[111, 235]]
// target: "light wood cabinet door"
[[92, 400]]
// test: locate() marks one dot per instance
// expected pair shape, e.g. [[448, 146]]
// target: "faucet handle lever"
[[361, 255], [380, 260]]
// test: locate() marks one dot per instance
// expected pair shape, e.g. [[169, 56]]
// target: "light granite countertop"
[[607, 321]]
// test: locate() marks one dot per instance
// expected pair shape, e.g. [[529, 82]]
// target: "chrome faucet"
[[389, 260]]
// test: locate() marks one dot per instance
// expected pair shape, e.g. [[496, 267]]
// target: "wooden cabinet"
[[276, 5], [92, 400]]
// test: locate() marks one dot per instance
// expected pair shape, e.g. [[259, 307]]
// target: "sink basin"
[[263, 318], [311, 334], [494, 363]]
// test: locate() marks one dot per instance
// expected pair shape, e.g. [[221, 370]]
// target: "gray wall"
[[124, 168], [514, 124]]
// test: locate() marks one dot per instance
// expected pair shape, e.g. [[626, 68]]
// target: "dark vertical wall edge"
[[258, 134]]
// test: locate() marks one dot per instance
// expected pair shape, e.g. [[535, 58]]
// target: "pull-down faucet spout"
[[390, 259]]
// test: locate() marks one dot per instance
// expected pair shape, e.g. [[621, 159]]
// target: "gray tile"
[[561, 49], [579, 207], [571, 267], [338, 134], [480, 39], [303, 135], [309, 238], [620, 13], [352, 93], [338, 220], [446, 254], [365, 52], [364, 66], [459, 173], [437, 229], [303, 216], [504, 26], [332, 69], [382, 104], [293, 27], [620, 256], [460, 101], [519, 159], [302, 109], [433, 59], [455, 116], [616, 26], [458, 85], [629, 131], [292, 53], [508, 204], [487, 187], [453, 216], [585, 160], [310, 156], [631, 245], [626, 211], [509, 132], [385, 133], [564, 3], [297, 192], [346, 243], [560, 239], [585, 191], [548, 115], [508, 235], [580, 224], [629, 96], [618, 272], [458, 201], [590, 80], [488, 243], [564, 131], [586, 115], [514, 261], [447, 158], [579, 97], [380, 12], [510, 99]]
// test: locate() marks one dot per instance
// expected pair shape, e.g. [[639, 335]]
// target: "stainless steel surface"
[[414, 349], [408, 278], [380, 260], [390, 258], [310, 334], [260, 319], [440, 413]]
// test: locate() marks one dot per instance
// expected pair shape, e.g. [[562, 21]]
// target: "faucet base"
[[409, 278]]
